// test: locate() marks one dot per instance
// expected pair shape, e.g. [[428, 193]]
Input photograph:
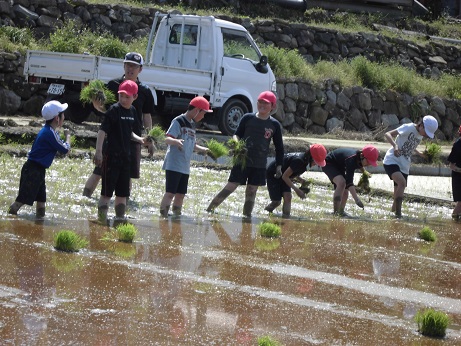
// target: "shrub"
[[427, 234], [268, 229], [432, 323], [67, 39], [69, 241]]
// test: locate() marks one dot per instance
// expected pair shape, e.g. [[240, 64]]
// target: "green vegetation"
[[364, 183], [239, 152], [432, 323], [267, 341], [432, 152], [69, 241], [16, 39], [157, 134], [427, 234], [306, 185], [217, 149], [124, 232], [264, 244], [97, 90], [270, 230]]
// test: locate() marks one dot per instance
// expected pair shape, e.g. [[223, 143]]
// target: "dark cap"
[[134, 58]]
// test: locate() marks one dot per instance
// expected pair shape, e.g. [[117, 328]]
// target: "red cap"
[[202, 103], [268, 96], [318, 153], [371, 154], [128, 87]]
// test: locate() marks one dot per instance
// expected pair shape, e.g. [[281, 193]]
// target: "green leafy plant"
[[267, 341], [432, 152], [364, 182], [239, 152], [69, 241], [270, 230], [432, 323], [156, 134], [97, 90], [124, 232], [427, 234], [217, 149]]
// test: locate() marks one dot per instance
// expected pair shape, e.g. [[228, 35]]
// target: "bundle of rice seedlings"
[[69, 241], [432, 323], [97, 90], [156, 134], [270, 230], [217, 149], [432, 152], [239, 150], [364, 182], [427, 234], [305, 186]]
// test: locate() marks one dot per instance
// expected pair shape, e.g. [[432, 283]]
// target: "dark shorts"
[[176, 182], [391, 169], [115, 176], [332, 171], [456, 186], [250, 175], [32, 183], [135, 163], [276, 188]]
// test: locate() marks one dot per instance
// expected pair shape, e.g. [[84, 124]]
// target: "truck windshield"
[[238, 45]]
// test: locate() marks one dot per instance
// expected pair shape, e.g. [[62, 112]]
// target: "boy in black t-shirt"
[[115, 165]]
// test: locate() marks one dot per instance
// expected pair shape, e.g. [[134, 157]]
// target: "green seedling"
[[427, 234], [432, 152], [267, 341], [270, 230], [364, 182], [97, 90], [239, 152], [124, 232], [156, 134], [432, 323], [69, 241], [306, 185], [217, 149]]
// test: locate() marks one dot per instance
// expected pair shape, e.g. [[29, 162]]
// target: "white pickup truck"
[[186, 56]]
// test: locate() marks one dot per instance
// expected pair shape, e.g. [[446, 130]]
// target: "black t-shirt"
[[143, 104], [346, 160], [455, 156], [118, 124], [296, 161]]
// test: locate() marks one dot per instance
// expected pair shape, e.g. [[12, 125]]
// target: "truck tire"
[[230, 115]]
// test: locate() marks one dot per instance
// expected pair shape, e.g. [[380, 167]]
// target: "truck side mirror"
[[261, 66]]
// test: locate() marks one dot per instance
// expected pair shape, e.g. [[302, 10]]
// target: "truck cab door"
[[242, 77]]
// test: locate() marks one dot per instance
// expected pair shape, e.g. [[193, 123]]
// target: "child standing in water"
[[404, 140], [47, 143]]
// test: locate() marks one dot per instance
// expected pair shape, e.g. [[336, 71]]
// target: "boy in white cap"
[[257, 130], [294, 164], [47, 143], [115, 165], [398, 158], [181, 141]]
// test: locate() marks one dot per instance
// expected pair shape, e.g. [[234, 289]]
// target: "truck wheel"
[[230, 115]]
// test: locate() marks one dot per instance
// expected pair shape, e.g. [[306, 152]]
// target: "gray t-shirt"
[[175, 159], [407, 140]]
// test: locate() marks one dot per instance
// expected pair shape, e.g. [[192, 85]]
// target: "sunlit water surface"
[[212, 279]]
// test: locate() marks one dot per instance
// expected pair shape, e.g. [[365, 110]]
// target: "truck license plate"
[[56, 89]]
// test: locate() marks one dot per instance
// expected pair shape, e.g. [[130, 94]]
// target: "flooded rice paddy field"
[[212, 280]]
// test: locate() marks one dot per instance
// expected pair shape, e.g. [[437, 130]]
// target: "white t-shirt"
[[407, 140]]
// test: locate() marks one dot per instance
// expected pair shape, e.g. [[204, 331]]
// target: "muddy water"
[[212, 280]]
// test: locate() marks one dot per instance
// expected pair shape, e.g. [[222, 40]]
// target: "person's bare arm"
[[389, 136], [99, 142], [286, 178]]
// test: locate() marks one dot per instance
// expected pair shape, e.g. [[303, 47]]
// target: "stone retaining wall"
[[302, 106]]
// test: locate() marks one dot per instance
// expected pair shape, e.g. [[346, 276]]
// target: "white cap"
[[53, 108], [430, 125]]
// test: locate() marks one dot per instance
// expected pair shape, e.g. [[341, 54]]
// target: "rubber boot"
[[87, 192], [398, 207], [286, 210], [164, 211], [40, 213], [220, 197], [102, 213], [120, 210], [248, 208], [336, 205], [177, 210], [272, 205], [13, 209]]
